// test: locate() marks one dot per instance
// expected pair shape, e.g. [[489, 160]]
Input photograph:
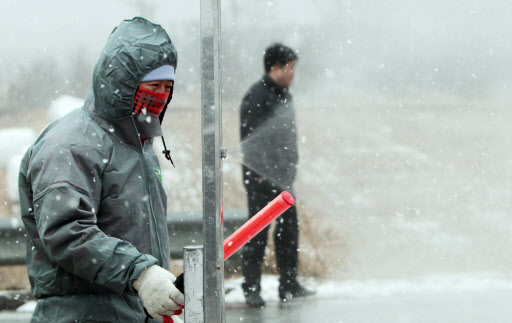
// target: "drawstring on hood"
[[167, 153]]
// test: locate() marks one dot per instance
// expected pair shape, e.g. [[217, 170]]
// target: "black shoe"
[[293, 290], [253, 299]]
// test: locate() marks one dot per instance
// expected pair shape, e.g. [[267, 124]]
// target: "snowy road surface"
[[441, 308], [440, 299], [474, 307]]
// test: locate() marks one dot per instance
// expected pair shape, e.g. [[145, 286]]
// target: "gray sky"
[[347, 48]]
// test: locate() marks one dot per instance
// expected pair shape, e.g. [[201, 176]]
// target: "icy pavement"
[[441, 299], [364, 289], [454, 307]]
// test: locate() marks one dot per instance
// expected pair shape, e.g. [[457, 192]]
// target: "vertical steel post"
[[213, 253], [193, 271]]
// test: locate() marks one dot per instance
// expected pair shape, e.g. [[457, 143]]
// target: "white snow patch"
[[28, 307], [14, 141], [13, 169], [15, 223], [331, 289], [62, 106]]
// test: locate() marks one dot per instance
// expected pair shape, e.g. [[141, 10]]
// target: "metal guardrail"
[[185, 228]]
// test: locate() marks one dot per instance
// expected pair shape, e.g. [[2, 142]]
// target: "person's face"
[[284, 75], [161, 86]]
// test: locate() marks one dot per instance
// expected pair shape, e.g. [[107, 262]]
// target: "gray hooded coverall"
[[91, 195]]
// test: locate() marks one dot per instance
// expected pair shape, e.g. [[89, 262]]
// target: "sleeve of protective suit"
[[66, 186]]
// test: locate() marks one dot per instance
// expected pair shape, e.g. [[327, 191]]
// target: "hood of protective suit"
[[134, 48]]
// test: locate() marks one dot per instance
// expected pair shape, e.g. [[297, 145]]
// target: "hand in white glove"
[[158, 293]]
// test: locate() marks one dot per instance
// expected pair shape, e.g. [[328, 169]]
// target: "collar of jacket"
[[273, 86], [148, 126], [128, 129]]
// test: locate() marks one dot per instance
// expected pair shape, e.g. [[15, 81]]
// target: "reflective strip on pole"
[[213, 253]]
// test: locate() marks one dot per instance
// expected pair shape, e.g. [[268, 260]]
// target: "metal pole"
[[213, 253], [193, 271]]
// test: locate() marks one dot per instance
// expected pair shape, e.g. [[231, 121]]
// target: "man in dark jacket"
[[269, 145], [91, 195]]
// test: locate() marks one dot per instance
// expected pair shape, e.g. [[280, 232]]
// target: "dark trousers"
[[286, 235]]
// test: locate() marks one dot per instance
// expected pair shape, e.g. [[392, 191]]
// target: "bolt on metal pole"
[[213, 252]]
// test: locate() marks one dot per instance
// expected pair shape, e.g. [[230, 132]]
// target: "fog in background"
[[352, 51], [401, 106]]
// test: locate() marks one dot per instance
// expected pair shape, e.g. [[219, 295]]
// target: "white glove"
[[158, 293]]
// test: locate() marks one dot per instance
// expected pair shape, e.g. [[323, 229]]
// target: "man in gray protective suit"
[[91, 195]]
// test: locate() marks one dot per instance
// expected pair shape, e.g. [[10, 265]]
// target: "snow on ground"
[[14, 141], [28, 307], [62, 106], [367, 289], [13, 169]]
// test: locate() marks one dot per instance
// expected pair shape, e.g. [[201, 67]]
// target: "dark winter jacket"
[[91, 196], [268, 132]]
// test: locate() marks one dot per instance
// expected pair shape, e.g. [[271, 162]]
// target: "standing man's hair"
[[278, 54]]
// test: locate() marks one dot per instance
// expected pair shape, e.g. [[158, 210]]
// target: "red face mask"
[[153, 102]]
